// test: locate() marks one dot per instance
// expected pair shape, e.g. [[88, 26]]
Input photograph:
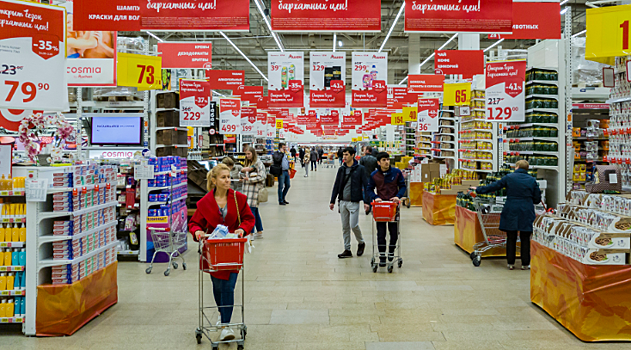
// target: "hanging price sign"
[[229, 116], [428, 109], [409, 114], [141, 71], [397, 119], [505, 91], [608, 33], [279, 123], [194, 103], [33, 56], [457, 94]]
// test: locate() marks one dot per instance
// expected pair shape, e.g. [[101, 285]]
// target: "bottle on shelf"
[[10, 308], [3, 308], [10, 281], [7, 257], [3, 281]]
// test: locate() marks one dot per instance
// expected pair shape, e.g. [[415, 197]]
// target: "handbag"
[[263, 195], [606, 178]]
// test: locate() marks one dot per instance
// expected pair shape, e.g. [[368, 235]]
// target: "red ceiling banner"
[[225, 79], [398, 97], [252, 94], [457, 16], [186, 55], [545, 25], [460, 62], [419, 83], [377, 97], [106, 15], [202, 15], [326, 15]]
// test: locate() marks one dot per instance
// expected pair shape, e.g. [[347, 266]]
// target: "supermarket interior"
[[478, 150]]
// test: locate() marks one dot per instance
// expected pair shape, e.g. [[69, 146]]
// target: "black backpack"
[[276, 168]]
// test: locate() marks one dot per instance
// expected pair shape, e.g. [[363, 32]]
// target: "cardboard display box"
[[172, 137], [168, 100], [169, 118]]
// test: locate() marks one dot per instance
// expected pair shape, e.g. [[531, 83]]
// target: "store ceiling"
[[256, 43]]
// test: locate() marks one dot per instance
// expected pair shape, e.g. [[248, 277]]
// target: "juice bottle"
[[10, 281], [9, 308]]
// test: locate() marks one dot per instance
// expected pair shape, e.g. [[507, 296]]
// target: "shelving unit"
[[476, 150], [443, 143], [590, 143]]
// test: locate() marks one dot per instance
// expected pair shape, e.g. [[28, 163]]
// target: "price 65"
[[28, 89]]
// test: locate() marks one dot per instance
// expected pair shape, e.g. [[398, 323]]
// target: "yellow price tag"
[[457, 94], [354, 139], [397, 119], [279, 124], [608, 33], [409, 114], [141, 71]]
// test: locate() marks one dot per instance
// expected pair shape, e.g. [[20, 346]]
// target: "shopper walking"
[[314, 159], [307, 158], [280, 168], [292, 152], [254, 176], [349, 190], [340, 155], [235, 172], [370, 163], [301, 154], [522, 193], [390, 185], [320, 154], [222, 206]]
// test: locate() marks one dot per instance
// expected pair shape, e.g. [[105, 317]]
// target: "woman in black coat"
[[522, 193]]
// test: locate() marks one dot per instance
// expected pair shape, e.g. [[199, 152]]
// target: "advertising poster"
[[32, 40], [260, 125], [370, 73], [186, 55], [194, 103], [427, 115], [196, 15], [248, 118], [505, 91], [545, 25], [458, 16], [229, 116], [112, 15], [285, 71], [326, 15], [91, 55], [420, 83], [459, 62], [225, 79], [327, 79], [252, 94]]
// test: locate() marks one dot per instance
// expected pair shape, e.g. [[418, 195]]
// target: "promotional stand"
[[467, 233], [439, 209]]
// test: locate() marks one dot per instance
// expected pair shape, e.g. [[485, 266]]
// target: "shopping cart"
[[169, 242], [385, 212], [329, 163], [220, 255], [489, 217]]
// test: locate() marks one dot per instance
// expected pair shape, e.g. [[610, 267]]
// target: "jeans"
[[381, 237], [259, 223], [283, 186], [314, 164], [223, 291], [511, 247], [340, 161], [350, 221]]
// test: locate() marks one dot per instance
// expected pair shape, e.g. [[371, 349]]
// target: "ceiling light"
[[579, 33], [244, 56], [564, 2], [334, 40], [494, 44], [216, 93], [396, 19], [155, 36], [340, 43], [269, 26], [565, 10]]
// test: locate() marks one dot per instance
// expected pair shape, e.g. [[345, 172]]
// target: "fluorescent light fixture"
[[392, 28], [565, 10], [432, 55], [244, 56], [579, 33], [494, 44], [217, 93], [269, 26], [155, 36], [340, 43], [564, 2], [334, 41]]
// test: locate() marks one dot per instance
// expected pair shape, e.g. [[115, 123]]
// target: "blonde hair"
[[211, 178], [255, 157], [522, 164]]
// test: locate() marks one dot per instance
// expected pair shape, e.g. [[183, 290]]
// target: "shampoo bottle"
[[22, 257], [3, 308], [3, 281], [7, 257], [17, 308], [10, 308], [2, 238], [10, 281], [15, 257], [17, 283], [23, 305], [23, 233], [15, 233]]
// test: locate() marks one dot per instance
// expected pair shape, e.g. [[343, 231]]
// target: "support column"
[[414, 53]]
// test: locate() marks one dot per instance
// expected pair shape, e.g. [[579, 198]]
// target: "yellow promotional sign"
[[279, 123], [409, 114], [457, 94], [397, 119], [608, 33], [141, 71], [354, 139]]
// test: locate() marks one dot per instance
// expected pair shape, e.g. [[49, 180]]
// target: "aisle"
[[299, 295]]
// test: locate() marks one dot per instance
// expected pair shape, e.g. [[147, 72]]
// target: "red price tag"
[[45, 46]]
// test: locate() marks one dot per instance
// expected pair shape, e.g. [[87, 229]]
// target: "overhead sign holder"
[[458, 16], [141, 71], [608, 33], [199, 15]]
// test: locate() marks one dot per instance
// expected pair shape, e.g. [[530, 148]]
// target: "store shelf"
[[535, 152], [447, 110], [12, 319], [590, 138], [165, 202], [467, 120], [50, 239], [549, 82], [479, 109], [476, 140], [476, 160], [555, 96], [162, 146], [11, 268], [545, 110], [480, 130], [532, 138], [479, 99], [527, 125], [447, 126], [167, 109], [14, 292], [44, 263], [80, 188], [110, 104], [478, 170], [477, 150], [618, 100], [50, 215], [12, 244], [452, 119], [547, 167], [15, 219], [166, 187], [12, 193]]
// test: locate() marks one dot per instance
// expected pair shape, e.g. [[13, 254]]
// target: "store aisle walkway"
[[299, 295]]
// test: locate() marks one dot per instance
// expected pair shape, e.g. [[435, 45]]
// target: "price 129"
[[501, 113]]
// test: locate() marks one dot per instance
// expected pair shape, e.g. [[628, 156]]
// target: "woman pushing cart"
[[221, 258]]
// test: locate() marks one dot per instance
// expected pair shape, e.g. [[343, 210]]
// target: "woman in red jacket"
[[219, 207]]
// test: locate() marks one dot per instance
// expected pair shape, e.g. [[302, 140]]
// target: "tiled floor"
[[299, 295]]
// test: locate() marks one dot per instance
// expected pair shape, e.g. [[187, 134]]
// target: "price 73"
[[494, 101]]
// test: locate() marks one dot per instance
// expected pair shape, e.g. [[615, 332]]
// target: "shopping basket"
[[292, 173], [384, 211], [223, 254]]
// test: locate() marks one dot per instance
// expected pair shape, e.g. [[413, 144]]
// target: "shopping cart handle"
[[164, 229]]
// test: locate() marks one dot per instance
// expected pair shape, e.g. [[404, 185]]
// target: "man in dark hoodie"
[[370, 163], [348, 188], [390, 186]]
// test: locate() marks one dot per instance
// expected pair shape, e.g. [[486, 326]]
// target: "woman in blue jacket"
[[522, 193]]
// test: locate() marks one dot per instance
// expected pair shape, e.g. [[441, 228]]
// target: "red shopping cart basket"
[[384, 211], [223, 254]]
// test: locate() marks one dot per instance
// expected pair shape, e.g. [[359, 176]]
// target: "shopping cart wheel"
[[375, 267], [175, 265], [400, 263], [167, 272], [390, 268], [148, 270], [477, 260], [198, 336], [183, 266], [239, 347], [216, 347], [472, 255]]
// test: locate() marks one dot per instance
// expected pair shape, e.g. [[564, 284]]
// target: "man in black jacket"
[[370, 164], [301, 154], [349, 188]]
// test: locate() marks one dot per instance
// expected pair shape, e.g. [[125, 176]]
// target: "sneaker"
[[360, 249], [258, 235], [345, 254], [511, 267], [286, 202], [226, 334], [525, 267], [281, 203], [306, 175]]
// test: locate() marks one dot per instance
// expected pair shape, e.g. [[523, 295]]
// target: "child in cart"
[[390, 185], [222, 206]]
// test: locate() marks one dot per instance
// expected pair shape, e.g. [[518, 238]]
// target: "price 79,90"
[[229, 128], [501, 113], [28, 89]]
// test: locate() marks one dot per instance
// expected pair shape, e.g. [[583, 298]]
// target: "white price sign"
[[260, 126], [368, 67], [33, 59], [194, 103], [230, 116], [505, 91], [326, 67], [248, 118], [427, 117], [283, 67]]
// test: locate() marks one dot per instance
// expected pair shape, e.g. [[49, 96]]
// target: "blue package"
[[153, 197], [22, 257]]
